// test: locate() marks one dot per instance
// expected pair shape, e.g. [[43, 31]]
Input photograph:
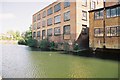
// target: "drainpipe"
[[104, 25]]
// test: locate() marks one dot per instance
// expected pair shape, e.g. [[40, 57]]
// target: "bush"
[[22, 42], [44, 45], [76, 46], [32, 42], [52, 45], [66, 46]]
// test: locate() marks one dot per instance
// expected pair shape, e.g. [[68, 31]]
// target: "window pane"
[[84, 2], [101, 14], [57, 7], [43, 33], [93, 5], [96, 32], [38, 34], [57, 19], [44, 14], [34, 18], [101, 32], [108, 13], [57, 30], [34, 34], [34, 26], [38, 25], [113, 12], [38, 16], [113, 31], [66, 3], [49, 22], [50, 11], [43, 24], [108, 31], [97, 15], [119, 11], [84, 15], [67, 16], [49, 32], [67, 29]]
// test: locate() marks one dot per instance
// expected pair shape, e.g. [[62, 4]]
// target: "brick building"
[[111, 17], [64, 21]]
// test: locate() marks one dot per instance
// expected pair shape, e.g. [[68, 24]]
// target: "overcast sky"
[[17, 15]]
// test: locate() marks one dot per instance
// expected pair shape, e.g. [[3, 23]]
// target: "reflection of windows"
[[93, 5], [57, 19], [34, 34], [57, 7], [112, 31], [84, 15], [44, 14], [99, 14], [49, 21], [67, 16], [38, 16], [57, 31], [67, 29], [113, 12], [38, 34], [66, 3], [49, 11], [108, 13], [98, 32], [84, 2], [38, 25], [43, 24], [49, 32]]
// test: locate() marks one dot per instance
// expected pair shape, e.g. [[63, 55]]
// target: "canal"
[[22, 62]]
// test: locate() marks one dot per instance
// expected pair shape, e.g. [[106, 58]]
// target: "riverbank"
[[8, 41], [111, 54]]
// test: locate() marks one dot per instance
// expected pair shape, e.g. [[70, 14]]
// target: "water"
[[21, 62]]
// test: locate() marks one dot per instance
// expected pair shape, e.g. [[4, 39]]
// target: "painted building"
[[108, 35], [64, 21]]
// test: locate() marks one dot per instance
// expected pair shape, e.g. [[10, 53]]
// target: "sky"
[[16, 15]]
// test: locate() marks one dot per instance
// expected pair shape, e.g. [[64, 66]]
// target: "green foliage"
[[52, 45], [44, 45], [32, 42], [22, 42], [76, 46], [66, 46]]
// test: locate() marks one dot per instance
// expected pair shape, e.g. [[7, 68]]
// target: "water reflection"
[[24, 62]]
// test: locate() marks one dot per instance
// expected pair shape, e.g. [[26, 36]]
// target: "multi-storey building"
[[64, 21], [104, 30]]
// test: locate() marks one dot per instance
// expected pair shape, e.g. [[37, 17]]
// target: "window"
[[84, 15], [112, 31], [34, 26], [57, 7], [49, 11], [57, 31], [108, 13], [38, 34], [49, 32], [34, 34], [44, 14], [99, 14], [67, 16], [84, 29], [118, 11], [84, 2], [43, 34], [57, 19], [38, 25], [66, 3], [113, 12], [49, 21], [38, 16], [34, 18], [98, 32], [93, 5], [67, 29], [43, 23]]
